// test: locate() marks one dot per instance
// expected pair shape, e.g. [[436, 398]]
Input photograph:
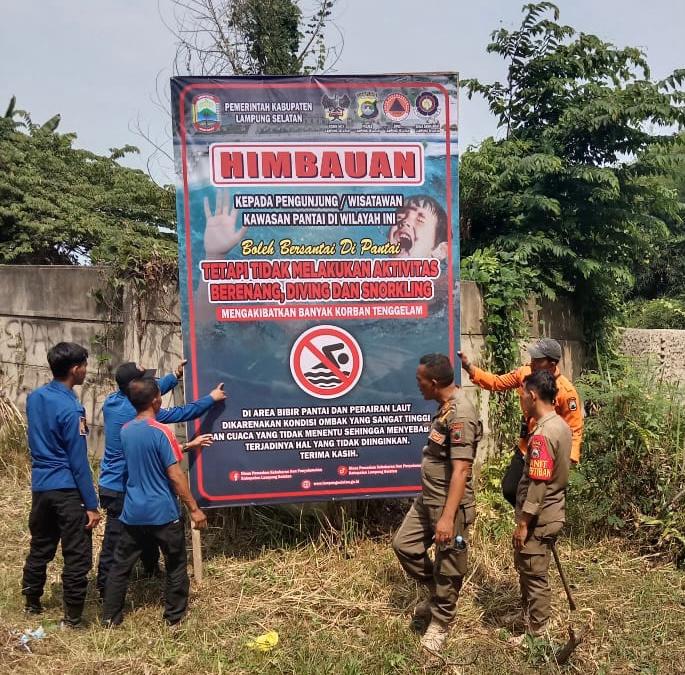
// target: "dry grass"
[[14, 457], [340, 604]]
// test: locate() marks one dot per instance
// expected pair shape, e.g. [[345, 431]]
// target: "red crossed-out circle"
[[304, 345]]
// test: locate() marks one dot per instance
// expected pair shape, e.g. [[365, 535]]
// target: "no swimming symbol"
[[326, 361]]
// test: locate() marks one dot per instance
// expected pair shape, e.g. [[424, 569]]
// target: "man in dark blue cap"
[[117, 410], [151, 512]]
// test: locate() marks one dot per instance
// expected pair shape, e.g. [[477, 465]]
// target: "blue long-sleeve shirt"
[[117, 410], [57, 440]]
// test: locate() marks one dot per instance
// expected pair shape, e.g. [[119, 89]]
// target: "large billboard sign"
[[319, 259]]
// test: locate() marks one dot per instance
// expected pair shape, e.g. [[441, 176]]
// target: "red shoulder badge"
[[436, 436], [456, 432], [541, 461]]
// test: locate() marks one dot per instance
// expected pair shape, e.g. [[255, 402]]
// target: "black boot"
[[72, 616], [33, 605]]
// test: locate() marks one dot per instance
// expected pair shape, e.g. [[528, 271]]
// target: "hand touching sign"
[[220, 229]]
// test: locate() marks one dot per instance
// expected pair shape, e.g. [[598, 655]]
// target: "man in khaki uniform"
[[446, 506], [545, 354], [540, 498]]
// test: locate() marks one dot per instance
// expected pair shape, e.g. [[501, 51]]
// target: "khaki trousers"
[[444, 575], [532, 564]]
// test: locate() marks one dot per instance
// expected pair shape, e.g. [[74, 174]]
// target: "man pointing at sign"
[[151, 510], [545, 354]]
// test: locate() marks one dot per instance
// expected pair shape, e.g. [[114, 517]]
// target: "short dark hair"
[[64, 356], [439, 368], [428, 202], [543, 383], [142, 392]]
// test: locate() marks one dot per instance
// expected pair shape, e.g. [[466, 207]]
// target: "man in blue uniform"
[[117, 411], [64, 506], [151, 510]]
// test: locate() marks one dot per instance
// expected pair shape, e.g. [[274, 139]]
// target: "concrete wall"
[[665, 347], [42, 305]]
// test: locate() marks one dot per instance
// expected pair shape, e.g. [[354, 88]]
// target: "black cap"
[[545, 348], [127, 372]]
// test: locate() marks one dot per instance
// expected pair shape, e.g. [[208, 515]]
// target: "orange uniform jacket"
[[567, 403]]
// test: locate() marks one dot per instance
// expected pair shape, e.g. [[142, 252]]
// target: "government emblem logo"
[[367, 105], [396, 107], [427, 103], [335, 107], [206, 113]]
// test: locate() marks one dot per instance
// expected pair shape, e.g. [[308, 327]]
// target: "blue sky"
[[97, 62]]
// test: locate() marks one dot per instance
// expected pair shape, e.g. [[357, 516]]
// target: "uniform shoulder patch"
[[573, 404], [436, 436], [456, 432], [541, 461], [82, 426]]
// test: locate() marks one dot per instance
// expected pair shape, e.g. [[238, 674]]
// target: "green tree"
[[575, 191], [664, 276], [252, 37], [63, 205], [244, 37]]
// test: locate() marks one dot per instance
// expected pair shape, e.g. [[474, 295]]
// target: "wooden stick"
[[567, 588], [195, 538], [197, 555], [196, 541]]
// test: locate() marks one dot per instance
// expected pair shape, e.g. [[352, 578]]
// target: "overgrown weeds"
[[325, 578], [656, 313], [328, 583], [14, 456], [631, 479]]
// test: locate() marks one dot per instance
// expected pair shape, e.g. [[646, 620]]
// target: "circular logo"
[[326, 362], [396, 107], [343, 470], [234, 476], [427, 103], [306, 484], [535, 453]]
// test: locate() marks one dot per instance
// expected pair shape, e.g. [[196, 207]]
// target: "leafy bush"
[[658, 313], [632, 473], [495, 521]]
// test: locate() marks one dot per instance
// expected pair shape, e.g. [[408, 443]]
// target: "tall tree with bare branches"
[[242, 37], [251, 37]]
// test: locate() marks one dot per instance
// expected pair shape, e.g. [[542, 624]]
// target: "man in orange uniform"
[[545, 354]]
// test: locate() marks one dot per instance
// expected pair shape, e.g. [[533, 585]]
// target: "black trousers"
[[59, 516], [113, 504], [512, 476], [171, 540]]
